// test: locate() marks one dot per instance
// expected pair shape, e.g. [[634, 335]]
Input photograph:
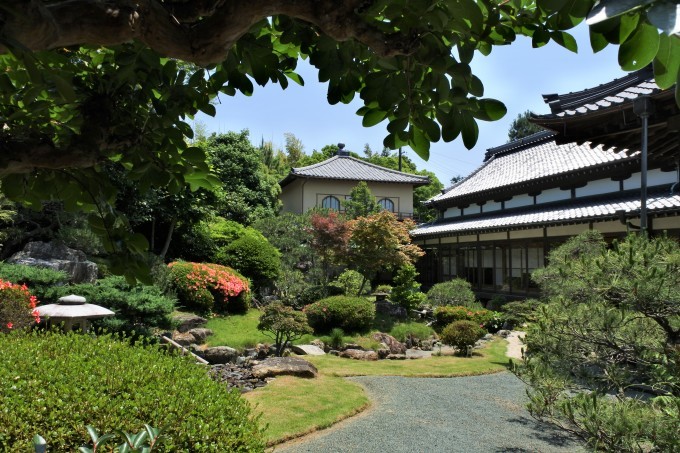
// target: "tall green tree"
[[521, 127], [361, 202]]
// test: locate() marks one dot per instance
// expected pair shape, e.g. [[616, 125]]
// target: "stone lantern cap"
[[73, 307]]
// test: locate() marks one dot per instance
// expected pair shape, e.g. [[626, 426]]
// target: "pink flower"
[[10, 325]]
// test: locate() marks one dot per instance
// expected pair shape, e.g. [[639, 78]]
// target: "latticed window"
[[386, 204], [330, 202]]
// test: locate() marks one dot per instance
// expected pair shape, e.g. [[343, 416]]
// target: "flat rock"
[[307, 349], [417, 354], [183, 338], [219, 354], [358, 354], [396, 357], [188, 321], [279, 366], [200, 334]]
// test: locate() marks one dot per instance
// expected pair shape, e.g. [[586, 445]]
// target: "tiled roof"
[[349, 168], [574, 212], [533, 160], [616, 92]]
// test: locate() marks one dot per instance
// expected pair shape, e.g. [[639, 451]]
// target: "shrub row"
[[54, 385], [351, 314], [489, 320]]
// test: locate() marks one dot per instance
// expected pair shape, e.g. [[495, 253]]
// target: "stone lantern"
[[73, 312]]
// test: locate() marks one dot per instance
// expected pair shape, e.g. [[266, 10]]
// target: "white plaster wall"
[[451, 213], [519, 200], [492, 206], [524, 234], [315, 190], [655, 177], [598, 187], [553, 195], [291, 197], [567, 230]]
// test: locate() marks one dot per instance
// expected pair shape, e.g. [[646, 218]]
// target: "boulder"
[[353, 346], [390, 342], [503, 333], [183, 338], [318, 343], [307, 349], [385, 307], [219, 354], [396, 357], [57, 256], [358, 354], [278, 366], [200, 334], [188, 321]]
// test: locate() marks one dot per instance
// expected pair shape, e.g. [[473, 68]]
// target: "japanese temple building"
[[583, 172]]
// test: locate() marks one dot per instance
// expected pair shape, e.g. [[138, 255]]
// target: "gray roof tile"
[[567, 213], [349, 168], [539, 159]]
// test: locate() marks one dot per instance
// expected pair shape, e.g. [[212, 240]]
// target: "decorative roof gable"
[[352, 169]]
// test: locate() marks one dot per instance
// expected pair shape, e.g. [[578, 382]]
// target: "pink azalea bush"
[[209, 287], [17, 307]]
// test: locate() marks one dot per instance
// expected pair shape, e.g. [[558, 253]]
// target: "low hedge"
[[206, 287], [55, 384], [489, 320], [351, 314]]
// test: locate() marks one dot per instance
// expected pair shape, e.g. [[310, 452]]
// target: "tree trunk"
[[166, 246]]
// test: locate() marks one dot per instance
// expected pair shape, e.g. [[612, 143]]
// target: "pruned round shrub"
[[253, 256], [351, 314], [461, 334], [446, 315], [209, 287], [17, 307], [456, 292], [54, 385]]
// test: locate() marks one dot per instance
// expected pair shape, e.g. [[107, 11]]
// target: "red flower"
[[10, 325]]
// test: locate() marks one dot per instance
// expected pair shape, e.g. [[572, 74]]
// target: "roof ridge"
[[561, 102], [316, 165], [386, 169], [520, 144]]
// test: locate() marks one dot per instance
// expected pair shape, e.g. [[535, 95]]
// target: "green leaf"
[[565, 40], [373, 117], [597, 41], [540, 38], [550, 6], [469, 130], [490, 110], [208, 109], [419, 143], [431, 129], [640, 48], [667, 61], [476, 86], [606, 9], [295, 77], [64, 88]]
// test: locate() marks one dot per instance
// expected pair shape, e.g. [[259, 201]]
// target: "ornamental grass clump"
[[17, 307], [209, 287], [352, 314], [55, 385]]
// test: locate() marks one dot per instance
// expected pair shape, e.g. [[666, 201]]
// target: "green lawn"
[[237, 331]]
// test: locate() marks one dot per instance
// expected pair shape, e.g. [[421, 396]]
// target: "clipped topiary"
[[253, 256], [461, 334], [351, 314], [454, 292], [209, 287], [56, 384]]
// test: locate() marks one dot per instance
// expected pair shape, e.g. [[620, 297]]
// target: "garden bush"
[[348, 283], [489, 320], [17, 307], [520, 312], [418, 330], [456, 292], [352, 314], [461, 334], [55, 384], [39, 279], [253, 256], [387, 289], [139, 308], [209, 287]]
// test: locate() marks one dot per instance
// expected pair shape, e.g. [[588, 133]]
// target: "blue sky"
[[516, 74]]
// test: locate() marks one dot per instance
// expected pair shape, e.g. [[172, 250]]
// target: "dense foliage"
[[406, 291], [487, 319], [348, 283], [351, 314], [456, 292], [462, 334], [17, 307], [209, 287], [361, 202], [283, 324], [139, 308], [39, 279], [610, 326], [54, 385], [253, 256]]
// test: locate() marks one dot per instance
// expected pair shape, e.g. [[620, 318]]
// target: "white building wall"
[[492, 206], [553, 195], [519, 200], [598, 187], [655, 177]]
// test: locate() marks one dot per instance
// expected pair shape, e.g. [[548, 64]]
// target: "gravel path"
[[466, 414]]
